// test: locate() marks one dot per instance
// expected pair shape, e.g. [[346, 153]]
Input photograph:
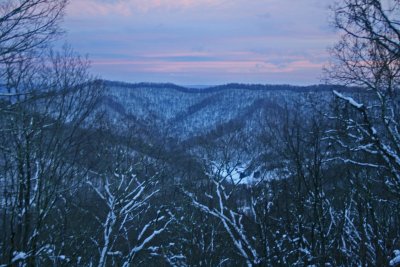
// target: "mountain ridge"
[[187, 112], [233, 86]]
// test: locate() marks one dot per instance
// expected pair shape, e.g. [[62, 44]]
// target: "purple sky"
[[203, 42]]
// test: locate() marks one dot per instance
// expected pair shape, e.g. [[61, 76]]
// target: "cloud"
[[210, 72], [202, 39], [195, 64], [130, 7]]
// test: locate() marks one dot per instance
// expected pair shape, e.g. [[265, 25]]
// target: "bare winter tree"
[[232, 219], [26, 28], [229, 211], [125, 233], [46, 100], [368, 57], [42, 144], [26, 25]]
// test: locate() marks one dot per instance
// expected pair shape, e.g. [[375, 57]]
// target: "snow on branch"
[[232, 224], [142, 245], [349, 100], [396, 260]]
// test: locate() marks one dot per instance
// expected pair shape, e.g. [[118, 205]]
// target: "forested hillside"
[[184, 113], [178, 174]]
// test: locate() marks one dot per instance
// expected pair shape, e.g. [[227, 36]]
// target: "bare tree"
[[130, 223], [27, 24], [368, 57], [42, 145], [225, 201]]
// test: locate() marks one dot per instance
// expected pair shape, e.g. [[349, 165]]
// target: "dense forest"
[[101, 173]]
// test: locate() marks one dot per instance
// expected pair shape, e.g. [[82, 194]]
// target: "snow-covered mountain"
[[186, 112], [192, 126]]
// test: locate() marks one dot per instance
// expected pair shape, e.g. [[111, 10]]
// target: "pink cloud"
[[202, 38], [239, 67], [130, 7]]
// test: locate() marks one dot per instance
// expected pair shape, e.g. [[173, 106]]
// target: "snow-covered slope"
[[183, 113]]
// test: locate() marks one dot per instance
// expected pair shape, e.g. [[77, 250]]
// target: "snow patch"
[[19, 256], [396, 260]]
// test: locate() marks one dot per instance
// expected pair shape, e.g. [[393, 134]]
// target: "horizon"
[[206, 86], [231, 86]]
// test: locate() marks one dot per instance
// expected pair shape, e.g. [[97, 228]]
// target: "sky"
[[203, 42]]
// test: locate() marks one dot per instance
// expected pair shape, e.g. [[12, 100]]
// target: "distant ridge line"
[[234, 86]]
